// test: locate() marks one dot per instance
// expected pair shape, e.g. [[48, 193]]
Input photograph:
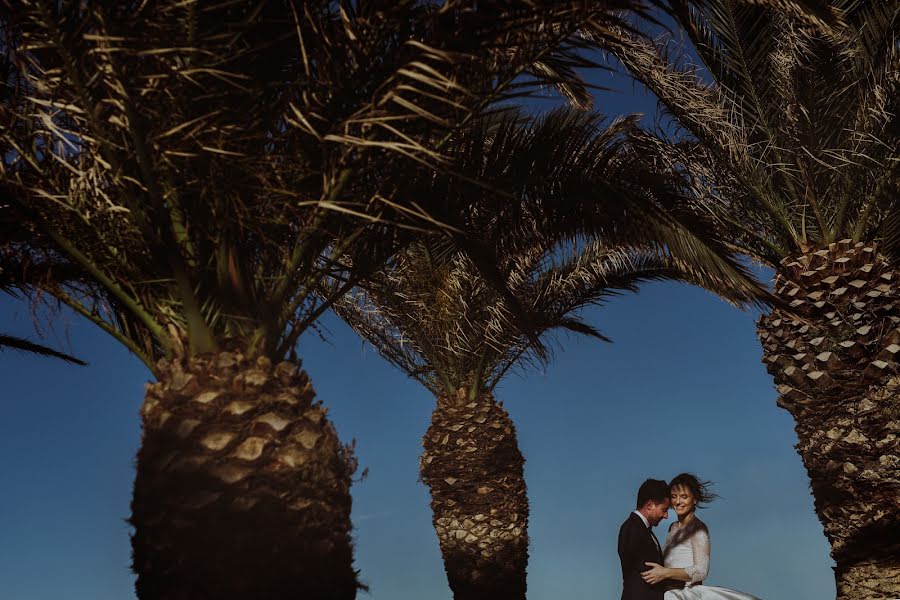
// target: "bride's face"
[[683, 501]]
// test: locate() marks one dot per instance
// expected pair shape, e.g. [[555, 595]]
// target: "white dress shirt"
[[643, 518]]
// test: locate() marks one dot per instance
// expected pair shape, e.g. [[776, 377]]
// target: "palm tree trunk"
[[242, 487], [835, 363], [473, 467]]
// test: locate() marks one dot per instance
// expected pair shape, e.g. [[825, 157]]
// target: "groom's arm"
[[630, 545], [620, 546]]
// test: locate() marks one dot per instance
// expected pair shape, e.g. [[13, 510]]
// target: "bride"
[[686, 551]]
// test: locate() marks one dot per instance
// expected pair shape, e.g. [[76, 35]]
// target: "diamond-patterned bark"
[[834, 357], [473, 467], [242, 487]]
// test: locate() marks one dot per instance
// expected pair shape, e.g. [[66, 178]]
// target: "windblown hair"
[[700, 489]]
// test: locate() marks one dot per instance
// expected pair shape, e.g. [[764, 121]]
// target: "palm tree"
[[432, 313], [202, 167], [791, 135]]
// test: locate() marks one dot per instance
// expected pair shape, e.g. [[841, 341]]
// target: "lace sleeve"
[[700, 546]]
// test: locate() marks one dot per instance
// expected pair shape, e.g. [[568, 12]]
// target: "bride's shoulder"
[[697, 526]]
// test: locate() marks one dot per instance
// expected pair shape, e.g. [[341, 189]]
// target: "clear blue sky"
[[682, 388]]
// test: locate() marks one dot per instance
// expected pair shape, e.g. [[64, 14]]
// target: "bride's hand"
[[656, 574]]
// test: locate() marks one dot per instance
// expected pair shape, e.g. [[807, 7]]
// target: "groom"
[[638, 545]]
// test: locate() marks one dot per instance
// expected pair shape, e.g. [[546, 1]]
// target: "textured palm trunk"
[[242, 487], [835, 362], [473, 467]]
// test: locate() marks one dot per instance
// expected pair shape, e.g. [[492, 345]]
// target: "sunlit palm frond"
[[805, 141]]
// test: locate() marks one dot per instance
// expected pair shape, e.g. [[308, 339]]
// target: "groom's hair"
[[652, 489]]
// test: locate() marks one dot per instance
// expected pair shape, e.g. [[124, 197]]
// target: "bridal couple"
[[675, 570]]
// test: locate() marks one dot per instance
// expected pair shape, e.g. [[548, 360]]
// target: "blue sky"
[[681, 388]]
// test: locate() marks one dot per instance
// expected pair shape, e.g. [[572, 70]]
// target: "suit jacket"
[[636, 546]]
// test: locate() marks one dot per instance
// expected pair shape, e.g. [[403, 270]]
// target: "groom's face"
[[658, 512]]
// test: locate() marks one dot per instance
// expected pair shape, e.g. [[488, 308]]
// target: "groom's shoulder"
[[630, 519]]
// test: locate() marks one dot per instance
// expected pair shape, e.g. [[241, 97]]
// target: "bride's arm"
[[658, 573], [695, 573], [700, 545]]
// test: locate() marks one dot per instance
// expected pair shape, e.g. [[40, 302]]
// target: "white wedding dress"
[[687, 548]]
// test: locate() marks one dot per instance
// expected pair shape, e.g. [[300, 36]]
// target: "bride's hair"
[[701, 490]]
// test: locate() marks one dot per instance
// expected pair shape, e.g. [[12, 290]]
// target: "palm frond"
[[549, 205], [207, 168], [816, 12], [16, 343], [797, 138]]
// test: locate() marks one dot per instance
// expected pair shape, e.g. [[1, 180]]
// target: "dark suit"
[[636, 547]]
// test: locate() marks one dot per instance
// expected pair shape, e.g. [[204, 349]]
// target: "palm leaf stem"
[[477, 384], [511, 361], [773, 209], [304, 245], [131, 303], [810, 196], [115, 333], [197, 336], [445, 379], [316, 276], [313, 281], [419, 376], [744, 230], [200, 337], [872, 200], [290, 339]]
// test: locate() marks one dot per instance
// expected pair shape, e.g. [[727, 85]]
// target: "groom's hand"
[[655, 574]]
